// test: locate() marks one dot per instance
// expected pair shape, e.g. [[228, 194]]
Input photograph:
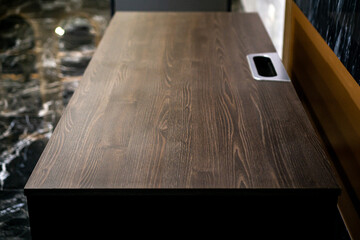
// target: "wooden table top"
[[168, 102]]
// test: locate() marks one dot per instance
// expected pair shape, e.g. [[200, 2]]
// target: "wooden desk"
[[168, 123]]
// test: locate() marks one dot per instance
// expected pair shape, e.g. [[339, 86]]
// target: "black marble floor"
[[45, 46], [14, 222]]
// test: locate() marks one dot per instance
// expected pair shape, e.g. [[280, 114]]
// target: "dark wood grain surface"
[[168, 102]]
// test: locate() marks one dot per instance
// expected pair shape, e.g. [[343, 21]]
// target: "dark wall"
[[172, 5]]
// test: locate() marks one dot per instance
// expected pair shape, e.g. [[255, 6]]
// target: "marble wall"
[[338, 22]]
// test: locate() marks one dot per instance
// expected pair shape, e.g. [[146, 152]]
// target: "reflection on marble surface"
[[338, 22], [16, 41], [39, 71]]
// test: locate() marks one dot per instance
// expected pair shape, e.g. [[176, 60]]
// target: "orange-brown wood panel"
[[332, 97]]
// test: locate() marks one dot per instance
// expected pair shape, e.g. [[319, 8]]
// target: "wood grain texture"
[[168, 102], [333, 99]]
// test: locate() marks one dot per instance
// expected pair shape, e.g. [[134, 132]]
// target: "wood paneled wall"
[[332, 98]]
